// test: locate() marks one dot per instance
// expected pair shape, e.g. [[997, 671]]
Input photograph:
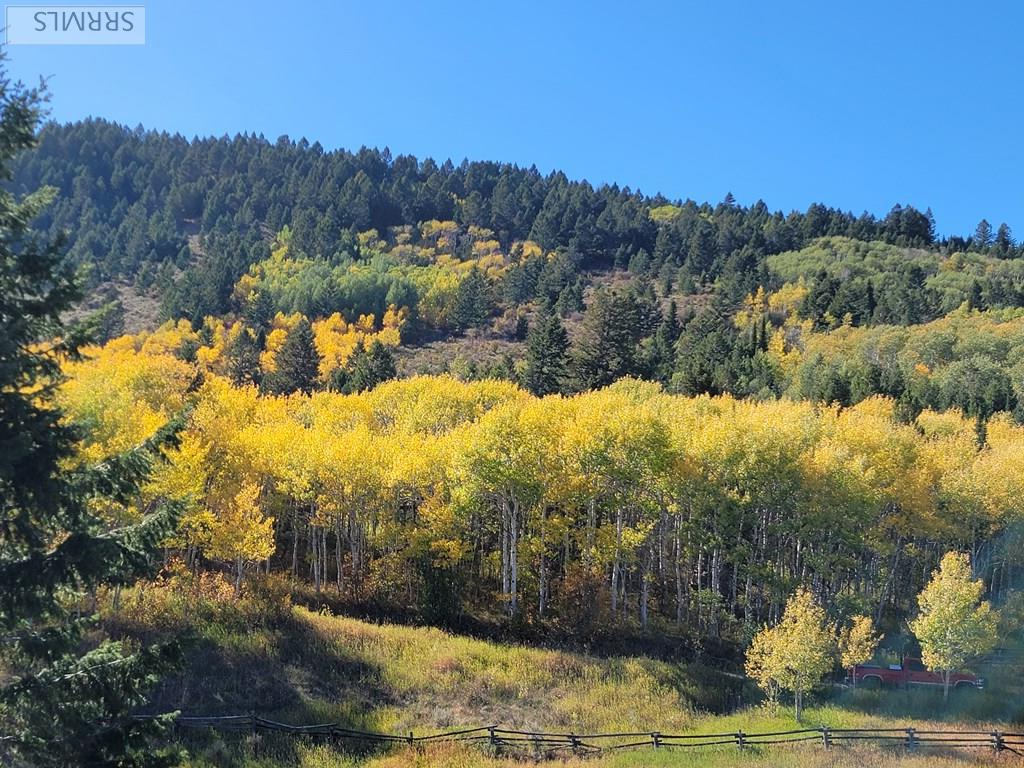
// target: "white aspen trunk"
[[353, 540], [514, 559], [615, 563], [295, 540], [505, 581], [314, 546], [323, 555], [678, 574], [591, 526], [645, 579], [542, 597], [337, 551]]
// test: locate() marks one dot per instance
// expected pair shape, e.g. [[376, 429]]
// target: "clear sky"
[[855, 104]]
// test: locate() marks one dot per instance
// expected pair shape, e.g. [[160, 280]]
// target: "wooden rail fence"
[[540, 743]]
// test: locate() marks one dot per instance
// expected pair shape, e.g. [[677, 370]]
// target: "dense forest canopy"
[[831, 401], [142, 205], [622, 504]]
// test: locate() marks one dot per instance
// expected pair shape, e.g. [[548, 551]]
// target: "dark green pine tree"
[[607, 346], [369, 367], [546, 347], [243, 355], [65, 699], [983, 235], [474, 304], [296, 364], [660, 349], [704, 352]]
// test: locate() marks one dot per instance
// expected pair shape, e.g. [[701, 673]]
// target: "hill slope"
[[294, 665]]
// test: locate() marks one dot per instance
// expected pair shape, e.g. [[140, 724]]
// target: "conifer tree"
[[244, 359], [369, 367], [296, 364], [473, 301], [67, 701], [546, 346], [607, 346]]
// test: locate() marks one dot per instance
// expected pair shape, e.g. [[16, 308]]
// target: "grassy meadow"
[[285, 662]]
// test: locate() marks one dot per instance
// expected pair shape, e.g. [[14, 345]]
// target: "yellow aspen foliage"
[[242, 534], [280, 326], [857, 643], [796, 653], [954, 625]]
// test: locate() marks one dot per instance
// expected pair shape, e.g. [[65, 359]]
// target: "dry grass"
[[299, 666]]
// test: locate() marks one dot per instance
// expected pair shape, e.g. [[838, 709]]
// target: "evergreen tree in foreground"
[[66, 701], [546, 346]]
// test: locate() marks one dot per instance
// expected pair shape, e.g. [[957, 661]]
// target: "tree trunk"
[[645, 578], [505, 580], [514, 560], [615, 564], [543, 590], [679, 578]]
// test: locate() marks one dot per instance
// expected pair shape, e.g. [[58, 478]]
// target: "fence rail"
[[539, 742]]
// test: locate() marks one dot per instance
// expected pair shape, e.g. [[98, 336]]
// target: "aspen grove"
[[621, 505]]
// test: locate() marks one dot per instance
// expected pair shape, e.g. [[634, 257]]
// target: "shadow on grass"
[[281, 670]]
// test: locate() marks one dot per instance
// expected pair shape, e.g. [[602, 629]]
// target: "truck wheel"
[[871, 683]]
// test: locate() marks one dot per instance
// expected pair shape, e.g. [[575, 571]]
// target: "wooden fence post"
[[575, 743], [826, 740], [911, 739], [656, 739], [997, 741], [739, 739], [490, 732]]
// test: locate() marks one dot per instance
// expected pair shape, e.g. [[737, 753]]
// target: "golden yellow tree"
[[857, 644], [242, 533], [797, 652], [954, 625]]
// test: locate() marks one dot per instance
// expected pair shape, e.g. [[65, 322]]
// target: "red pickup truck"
[[910, 672]]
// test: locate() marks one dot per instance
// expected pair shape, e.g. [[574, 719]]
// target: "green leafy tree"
[[546, 346], [796, 653], [64, 699], [296, 364], [954, 625]]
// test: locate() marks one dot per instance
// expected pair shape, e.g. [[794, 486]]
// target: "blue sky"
[[858, 105]]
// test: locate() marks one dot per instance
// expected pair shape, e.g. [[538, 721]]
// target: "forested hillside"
[[457, 265], [283, 271]]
